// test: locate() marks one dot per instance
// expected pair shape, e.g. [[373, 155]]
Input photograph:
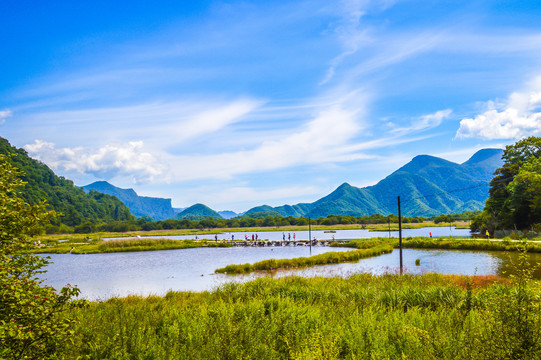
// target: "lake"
[[343, 234], [102, 276]]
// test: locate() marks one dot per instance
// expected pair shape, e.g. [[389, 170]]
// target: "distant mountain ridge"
[[198, 212], [428, 186], [157, 208]]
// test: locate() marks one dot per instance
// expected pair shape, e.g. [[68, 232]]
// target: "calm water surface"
[[345, 234], [101, 276]]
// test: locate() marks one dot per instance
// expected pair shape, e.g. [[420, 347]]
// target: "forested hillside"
[[198, 212], [141, 206], [76, 206], [429, 186]]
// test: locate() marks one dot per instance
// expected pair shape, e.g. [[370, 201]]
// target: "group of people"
[[254, 237], [288, 236]]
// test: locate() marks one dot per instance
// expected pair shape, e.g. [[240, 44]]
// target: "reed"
[[321, 259], [361, 317]]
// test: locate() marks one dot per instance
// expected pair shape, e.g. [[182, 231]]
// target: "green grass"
[[126, 245], [362, 317], [321, 259], [445, 244]]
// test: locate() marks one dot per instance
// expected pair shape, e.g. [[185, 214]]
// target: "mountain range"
[[428, 186], [156, 208], [140, 206]]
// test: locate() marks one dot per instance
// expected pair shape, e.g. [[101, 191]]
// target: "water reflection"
[[102, 276]]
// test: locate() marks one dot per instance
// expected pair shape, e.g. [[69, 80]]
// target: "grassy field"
[[125, 245], [446, 244], [78, 245], [362, 317]]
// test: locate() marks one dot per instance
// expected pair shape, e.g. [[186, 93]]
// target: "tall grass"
[[362, 317], [321, 259]]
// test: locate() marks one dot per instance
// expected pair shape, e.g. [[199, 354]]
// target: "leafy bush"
[[30, 326]]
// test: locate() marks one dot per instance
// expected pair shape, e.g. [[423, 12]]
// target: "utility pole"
[[310, 234], [400, 235]]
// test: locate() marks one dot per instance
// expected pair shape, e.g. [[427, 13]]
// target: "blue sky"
[[238, 104]]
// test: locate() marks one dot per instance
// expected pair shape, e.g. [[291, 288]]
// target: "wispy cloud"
[[514, 118], [424, 122], [161, 122], [349, 32], [4, 114], [322, 139]]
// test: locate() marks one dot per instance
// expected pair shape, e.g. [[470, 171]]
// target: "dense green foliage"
[[76, 208], [198, 212], [514, 202], [361, 317], [29, 323]]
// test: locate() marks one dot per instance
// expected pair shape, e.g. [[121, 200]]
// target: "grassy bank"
[[126, 245], [321, 259], [446, 244], [362, 317]]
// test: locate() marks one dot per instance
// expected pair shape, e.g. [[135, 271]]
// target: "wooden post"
[[310, 234], [400, 236]]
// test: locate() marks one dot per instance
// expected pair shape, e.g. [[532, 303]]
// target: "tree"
[[513, 201], [30, 326], [525, 195]]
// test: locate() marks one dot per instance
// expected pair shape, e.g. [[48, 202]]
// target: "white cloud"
[[159, 122], [215, 119], [349, 33], [424, 122], [323, 139], [106, 162], [517, 117], [4, 114]]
